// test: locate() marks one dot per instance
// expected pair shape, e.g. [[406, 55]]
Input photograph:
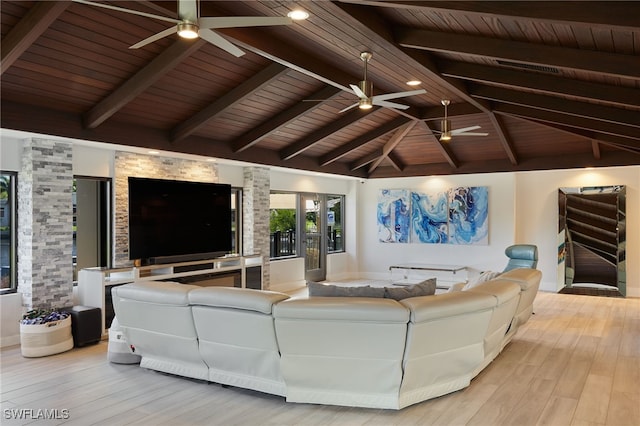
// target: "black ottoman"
[[86, 325]]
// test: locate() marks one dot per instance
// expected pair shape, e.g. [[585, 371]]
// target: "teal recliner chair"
[[521, 256]]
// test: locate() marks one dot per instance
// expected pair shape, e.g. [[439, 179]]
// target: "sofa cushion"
[[425, 288], [329, 290]]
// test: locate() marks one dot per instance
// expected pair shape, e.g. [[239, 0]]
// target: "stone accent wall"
[[255, 209], [148, 166], [45, 224]]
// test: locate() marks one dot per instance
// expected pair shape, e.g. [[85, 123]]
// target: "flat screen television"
[[174, 221]]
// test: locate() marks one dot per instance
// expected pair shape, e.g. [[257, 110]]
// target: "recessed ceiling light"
[[414, 82], [298, 15]]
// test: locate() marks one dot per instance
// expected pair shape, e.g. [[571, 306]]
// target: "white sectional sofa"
[[353, 351]]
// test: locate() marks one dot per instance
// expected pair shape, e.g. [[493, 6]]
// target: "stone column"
[[45, 224], [255, 208]]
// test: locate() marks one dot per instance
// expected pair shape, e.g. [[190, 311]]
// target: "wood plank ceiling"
[[554, 84]]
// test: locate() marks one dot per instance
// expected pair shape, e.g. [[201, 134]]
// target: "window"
[[8, 240], [282, 225], [335, 229]]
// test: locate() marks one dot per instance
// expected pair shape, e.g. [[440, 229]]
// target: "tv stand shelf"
[[95, 284]]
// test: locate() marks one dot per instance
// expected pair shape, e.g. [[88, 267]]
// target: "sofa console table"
[[95, 284], [430, 269]]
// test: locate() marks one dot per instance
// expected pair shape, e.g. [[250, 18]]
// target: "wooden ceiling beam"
[[620, 14], [351, 146], [317, 136], [281, 119], [237, 94], [603, 113], [392, 143], [549, 84], [395, 161], [505, 140], [613, 64], [601, 139], [444, 148], [284, 53], [141, 81], [632, 134], [28, 29], [367, 159], [595, 148]]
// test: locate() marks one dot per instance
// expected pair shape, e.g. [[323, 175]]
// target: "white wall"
[[375, 257], [537, 215]]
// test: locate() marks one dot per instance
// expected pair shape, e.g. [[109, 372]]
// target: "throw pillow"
[[483, 277], [425, 288], [329, 290]]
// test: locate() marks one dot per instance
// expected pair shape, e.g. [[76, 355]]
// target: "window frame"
[[12, 205], [342, 225]]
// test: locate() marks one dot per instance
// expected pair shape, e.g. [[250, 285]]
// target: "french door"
[[314, 236]]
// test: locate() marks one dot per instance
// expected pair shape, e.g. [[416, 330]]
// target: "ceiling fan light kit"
[[188, 30], [446, 133], [364, 92]]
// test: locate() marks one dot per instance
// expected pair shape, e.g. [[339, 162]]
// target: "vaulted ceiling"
[[554, 84]]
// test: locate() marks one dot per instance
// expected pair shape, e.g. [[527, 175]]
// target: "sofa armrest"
[[160, 292], [237, 298]]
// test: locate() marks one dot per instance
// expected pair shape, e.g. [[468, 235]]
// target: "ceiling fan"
[[364, 91], [447, 133], [192, 25]]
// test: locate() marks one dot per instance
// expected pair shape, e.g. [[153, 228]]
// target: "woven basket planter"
[[46, 339]]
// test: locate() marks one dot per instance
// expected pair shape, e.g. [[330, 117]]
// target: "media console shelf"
[[95, 284]]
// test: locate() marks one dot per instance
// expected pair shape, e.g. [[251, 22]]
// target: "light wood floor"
[[576, 362]]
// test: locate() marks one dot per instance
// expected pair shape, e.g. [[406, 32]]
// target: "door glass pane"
[[312, 230], [282, 225]]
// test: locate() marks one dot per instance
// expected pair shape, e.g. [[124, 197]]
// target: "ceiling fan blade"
[[399, 94], [469, 134], [242, 21], [216, 39], [188, 10], [131, 11], [387, 104], [464, 129], [359, 93], [154, 37], [349, 107]]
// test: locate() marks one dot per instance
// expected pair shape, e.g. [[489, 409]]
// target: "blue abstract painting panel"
[[393, 216], [429, 217], [469, 215]]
